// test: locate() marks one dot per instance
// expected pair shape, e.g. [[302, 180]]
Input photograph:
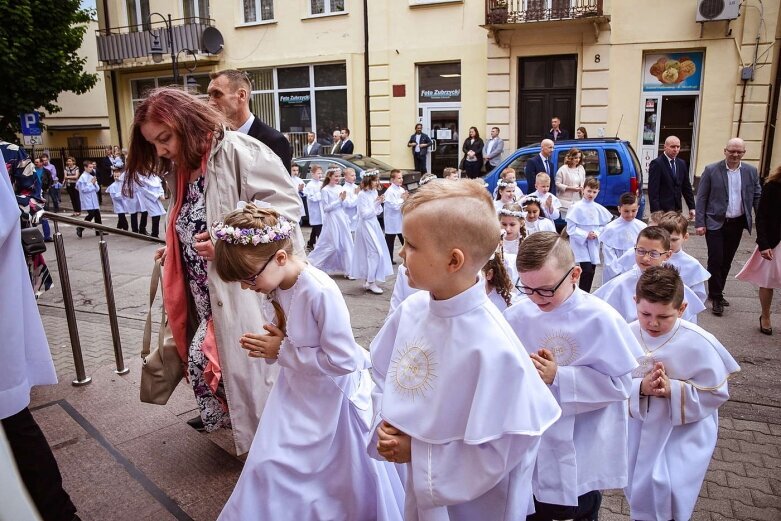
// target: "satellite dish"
[[212, 40]]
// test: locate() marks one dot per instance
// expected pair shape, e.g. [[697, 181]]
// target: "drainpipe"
[[366, 77], [770, 123], [112, 77]]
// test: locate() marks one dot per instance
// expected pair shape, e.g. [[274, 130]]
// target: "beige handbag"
[[162, 368]]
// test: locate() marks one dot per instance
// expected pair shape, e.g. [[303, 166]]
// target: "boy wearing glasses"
[[585, 352], [456, 398], [652, 249]]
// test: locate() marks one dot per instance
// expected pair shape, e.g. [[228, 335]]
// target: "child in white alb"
[[505, 195], [620, 236], [507, 176], [585, 353], [585, 221], [673, 409], [511, 218], [333, 252], [351, 199], [313, 194], [456, 400], [295, 176], [693, 274], [394, 198], [88, 187], [627, 261], [451, 173], [652, 249], [549, 203], [151, 196], [370, 257], [123, 205], [316, 422], [534, 221]]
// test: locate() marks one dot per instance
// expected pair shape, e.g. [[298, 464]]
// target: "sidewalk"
[[125, 460]]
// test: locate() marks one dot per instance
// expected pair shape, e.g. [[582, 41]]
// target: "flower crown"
[[254, 236], [370, 173], [530, 199], [510, 213], [505, 184]]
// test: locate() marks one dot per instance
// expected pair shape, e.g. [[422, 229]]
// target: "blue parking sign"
[[31, 123]]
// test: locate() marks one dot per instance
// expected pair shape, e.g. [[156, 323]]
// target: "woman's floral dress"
[[191, 221]]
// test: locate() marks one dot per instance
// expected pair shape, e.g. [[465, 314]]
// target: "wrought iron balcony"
[[117, 44], [500, 12]]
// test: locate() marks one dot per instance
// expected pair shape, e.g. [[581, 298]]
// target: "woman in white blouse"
[[570, 178]]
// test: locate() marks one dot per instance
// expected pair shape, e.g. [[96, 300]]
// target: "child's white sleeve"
[[688, 404], [583, 389], [367, 209], [610, 255], [638, 405], [700, 291], [380, 351], [576, 233], [453, 473], [394, 200], [329, 204]]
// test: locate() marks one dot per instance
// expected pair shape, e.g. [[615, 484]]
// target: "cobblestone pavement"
[[122, 459]]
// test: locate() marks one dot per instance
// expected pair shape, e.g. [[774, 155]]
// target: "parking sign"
[[31, 124]]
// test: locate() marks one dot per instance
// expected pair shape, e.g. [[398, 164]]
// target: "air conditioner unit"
[[712, 10]]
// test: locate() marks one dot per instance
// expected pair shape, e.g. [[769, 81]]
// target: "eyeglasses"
[[735, 152], [543, 292], [642, 252], [251, 281]]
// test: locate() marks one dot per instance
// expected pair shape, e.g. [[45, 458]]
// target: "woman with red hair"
[[210, 169]]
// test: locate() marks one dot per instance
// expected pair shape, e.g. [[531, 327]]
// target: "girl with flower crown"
[[333, 252], [308, 460], [371, 260], [506, 194]]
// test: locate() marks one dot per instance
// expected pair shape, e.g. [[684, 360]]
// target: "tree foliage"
[[40, 40]]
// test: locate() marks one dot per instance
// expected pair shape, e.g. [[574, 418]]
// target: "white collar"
[[244, 129]]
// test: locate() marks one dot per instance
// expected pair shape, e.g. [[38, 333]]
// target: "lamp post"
[[156, 47]]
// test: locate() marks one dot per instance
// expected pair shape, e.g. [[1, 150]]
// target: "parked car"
[[612, 161], [358, 162]]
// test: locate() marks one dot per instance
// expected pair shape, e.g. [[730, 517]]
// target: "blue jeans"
[[54, 193], [47, 233]]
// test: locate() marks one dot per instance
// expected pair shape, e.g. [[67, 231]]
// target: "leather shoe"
[[724, 302], [717, 309], [197, 424], [764, 330]]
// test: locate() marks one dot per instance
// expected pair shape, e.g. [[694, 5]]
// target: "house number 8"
[[597, 58]]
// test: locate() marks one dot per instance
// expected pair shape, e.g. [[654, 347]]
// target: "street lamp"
[[156, 46]]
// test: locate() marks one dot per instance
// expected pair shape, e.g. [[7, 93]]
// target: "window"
[[194, 84], [137, 14], [257, 10], [590, 161], [317, 7], [195, 8], [613, 160]]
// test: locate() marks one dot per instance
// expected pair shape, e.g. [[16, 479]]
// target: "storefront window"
[[439, 82], [295, 111], [293, 77], [330, 75], [330, 111]]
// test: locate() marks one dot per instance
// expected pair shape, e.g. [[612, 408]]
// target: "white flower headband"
[[370, 173], [530, 199], [510, 213], [505, 184], [254, 236]]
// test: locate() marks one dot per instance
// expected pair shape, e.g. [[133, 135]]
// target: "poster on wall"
[[673, 71]]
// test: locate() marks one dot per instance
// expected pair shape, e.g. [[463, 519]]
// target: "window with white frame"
[[193, 83], [137, 13], [255, 11], [195, 8], [301, 98], [323, 7]]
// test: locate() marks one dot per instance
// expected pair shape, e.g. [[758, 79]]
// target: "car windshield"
[[367, 163]]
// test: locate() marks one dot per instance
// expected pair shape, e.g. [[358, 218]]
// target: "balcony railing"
[[124, 43], [499, 12]]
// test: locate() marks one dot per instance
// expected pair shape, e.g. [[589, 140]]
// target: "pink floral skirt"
[[761, 272]]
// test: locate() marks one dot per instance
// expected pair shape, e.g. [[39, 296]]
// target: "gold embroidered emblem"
[[646, 365], [563, 347], [413, 370]]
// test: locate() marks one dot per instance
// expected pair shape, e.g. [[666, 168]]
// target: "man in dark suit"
[[229, 92], [542, 162], [419, 143], [668, 180], [312, 147], [727, 193], [346, 147], [556, 133]]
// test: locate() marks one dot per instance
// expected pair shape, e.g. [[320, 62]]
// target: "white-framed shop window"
[[327, 7], [257, 11], [193, 83]]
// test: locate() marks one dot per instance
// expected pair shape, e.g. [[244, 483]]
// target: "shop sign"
[[429, 95], [294, 99], [673, 71]]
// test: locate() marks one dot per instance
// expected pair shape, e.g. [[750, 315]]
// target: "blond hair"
[[541, 247], [461, 214], [236, 262], [542, 177]]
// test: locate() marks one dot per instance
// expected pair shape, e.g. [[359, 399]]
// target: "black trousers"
[[316, 229], [420, 162], [37, 467], [586, 276], [135, 226], [587, 509], [390, 240], [74, 196], [122, 221], [156, 226], [722, 246]]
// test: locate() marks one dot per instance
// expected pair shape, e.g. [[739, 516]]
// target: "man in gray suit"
[[312, 147], [492, 151], [727, 193]]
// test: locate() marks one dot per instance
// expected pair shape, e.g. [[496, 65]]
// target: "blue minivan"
[[613, 161]]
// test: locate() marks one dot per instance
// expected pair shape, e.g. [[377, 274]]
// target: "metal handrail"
[[67, 294]]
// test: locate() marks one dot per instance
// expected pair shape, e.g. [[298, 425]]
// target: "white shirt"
[[417, 141], [244, 129], [735, 199]]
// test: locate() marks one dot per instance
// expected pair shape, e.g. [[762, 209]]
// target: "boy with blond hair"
[[456, 398], [549, 203], [693, 274]]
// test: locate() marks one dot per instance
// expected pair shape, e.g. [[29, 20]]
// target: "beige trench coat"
[[241, 168]]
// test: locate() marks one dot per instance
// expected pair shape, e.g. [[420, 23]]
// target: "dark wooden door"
[[547, 86]]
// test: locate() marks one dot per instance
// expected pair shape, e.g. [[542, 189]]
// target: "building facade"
[[629, 68]]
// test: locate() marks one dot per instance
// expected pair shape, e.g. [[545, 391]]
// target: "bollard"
[[70, 311], [112, 308]]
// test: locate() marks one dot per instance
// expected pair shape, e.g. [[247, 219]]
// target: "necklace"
[[649, 351]]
